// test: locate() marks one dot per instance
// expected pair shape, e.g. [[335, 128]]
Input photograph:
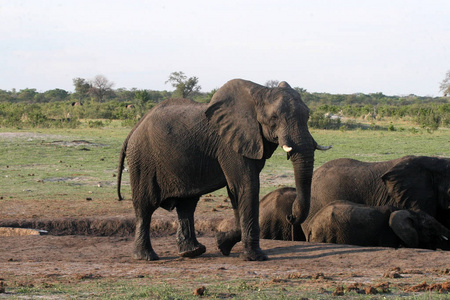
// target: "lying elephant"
[[410, 182], [272, 216], [344, 222]]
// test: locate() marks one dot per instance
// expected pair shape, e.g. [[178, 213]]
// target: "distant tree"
[[55, 95], [377, 96], [5, 96], [100, 88], [183, 86], [272, 83], [122, 94], [26, 95], [445, 85], [158, 96], [142, 96], [210, 95], [300, 90], [82, 87]]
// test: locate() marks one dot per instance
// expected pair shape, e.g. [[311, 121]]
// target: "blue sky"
[[395, 47]]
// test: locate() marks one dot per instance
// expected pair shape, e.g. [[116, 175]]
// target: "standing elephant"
[[182, 149], [411, 182], [344, 222]]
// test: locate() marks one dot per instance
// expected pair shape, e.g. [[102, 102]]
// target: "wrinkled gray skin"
[[273, 208], [411, 182], [182, 149], [344, 222]]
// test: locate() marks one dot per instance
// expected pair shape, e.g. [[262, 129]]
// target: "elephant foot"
[[145, 255], [227, 240], [253, 255], [191, 251]]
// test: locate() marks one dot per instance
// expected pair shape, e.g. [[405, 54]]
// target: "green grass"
[[369, 145], [171, 286], [41, 166]]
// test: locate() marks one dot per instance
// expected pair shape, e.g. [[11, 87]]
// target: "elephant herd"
[[402, 202], [181, 150]]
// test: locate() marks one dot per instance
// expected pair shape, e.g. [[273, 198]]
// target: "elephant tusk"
[[287, 148], [444, 237], [323, 148]]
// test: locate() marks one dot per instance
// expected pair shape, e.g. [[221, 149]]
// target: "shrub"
[[95, 124], [319, 121]]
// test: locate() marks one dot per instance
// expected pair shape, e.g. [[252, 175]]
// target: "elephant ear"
[[410, 184], [232, 112], [403, 224]]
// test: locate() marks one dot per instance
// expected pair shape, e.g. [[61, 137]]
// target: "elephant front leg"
[[249, 217], [247, 224], [188, 246], [243, 190]]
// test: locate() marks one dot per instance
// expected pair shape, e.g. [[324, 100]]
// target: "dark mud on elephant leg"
[[188, 246]]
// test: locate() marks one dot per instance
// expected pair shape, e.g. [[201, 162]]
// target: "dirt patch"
[[40, 136], [12, 231], [120, 226], [99, 248], [111, 226], [27, 135], [316, 266], [440, 287], [75, 143]]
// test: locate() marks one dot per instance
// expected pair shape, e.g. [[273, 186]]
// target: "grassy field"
[[66, 165], [54, 171]]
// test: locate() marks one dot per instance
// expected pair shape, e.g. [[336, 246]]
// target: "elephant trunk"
[[303, 163]]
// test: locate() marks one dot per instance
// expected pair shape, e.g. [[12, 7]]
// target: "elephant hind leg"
[[144, 208], [188, 245], [142, 245]]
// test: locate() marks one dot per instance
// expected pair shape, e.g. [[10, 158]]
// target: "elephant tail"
[[123, 153], [120, 168]]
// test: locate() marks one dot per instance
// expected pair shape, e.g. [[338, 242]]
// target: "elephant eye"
[[274, 118]]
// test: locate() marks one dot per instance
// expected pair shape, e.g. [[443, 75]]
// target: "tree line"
[[97, 99]]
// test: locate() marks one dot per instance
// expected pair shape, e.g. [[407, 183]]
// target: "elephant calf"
[[273, 209], [344, 222]]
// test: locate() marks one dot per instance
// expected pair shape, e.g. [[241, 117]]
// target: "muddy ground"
[[100, 247]]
